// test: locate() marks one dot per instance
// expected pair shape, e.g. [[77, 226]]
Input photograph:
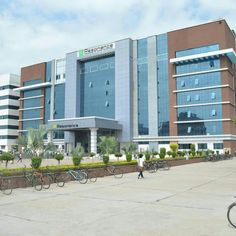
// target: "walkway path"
[[189, 200]]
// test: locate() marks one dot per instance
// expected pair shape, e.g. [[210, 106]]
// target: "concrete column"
[[93, 140], [50, 136]]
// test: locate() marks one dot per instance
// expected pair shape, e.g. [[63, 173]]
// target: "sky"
[[34, 31]]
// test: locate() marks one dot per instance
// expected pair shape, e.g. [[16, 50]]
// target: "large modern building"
[[173, 87], [9, 115]]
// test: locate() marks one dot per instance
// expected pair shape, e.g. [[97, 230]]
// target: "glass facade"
[[199, 96], [31, 103], [97, 87], [163, 85], [59, 109], [142, 69]]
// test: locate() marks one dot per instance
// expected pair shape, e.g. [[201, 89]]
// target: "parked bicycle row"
[[218, 157], [43, 179], [154, 165]]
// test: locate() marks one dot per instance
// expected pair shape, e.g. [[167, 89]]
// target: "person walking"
[[140, 166]]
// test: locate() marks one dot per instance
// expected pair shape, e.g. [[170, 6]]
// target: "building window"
[[107, 82], [107, 104], [182, 83], [184, 146], [218, 145], [197, 97], [106, 93], [90, 84], [189, 130], [189, 114], [213, 112], [202, 146], [213, 96], [57, 77], [212, 64], [188, 98], [196, 82]]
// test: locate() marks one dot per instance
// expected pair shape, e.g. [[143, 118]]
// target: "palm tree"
[[130, 148], [33, 143], [107, 145]]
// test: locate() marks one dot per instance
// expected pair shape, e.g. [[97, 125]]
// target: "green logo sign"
[[81, 53]]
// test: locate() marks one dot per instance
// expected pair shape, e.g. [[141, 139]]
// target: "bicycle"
[[115, 171], [32, 179], [231, 214], [89, 176], [56, 177], [77, 175], [5, 185], [164, 165], [150, 166]]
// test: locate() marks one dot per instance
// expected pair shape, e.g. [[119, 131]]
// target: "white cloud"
[[36, 31]]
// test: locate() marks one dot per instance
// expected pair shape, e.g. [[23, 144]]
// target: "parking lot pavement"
[[186, 200]]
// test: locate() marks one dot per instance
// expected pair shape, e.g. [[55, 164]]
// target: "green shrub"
[[76, 160], [169, 153], [174, 147], [59, 157], [174, 154], [162, 153], [192, 147], [7, 156], [105, 159], [92, 154], [36, 162], [180, 153], [193, 153], [217, 152], [118, 155], [128, 157], [147, 156]]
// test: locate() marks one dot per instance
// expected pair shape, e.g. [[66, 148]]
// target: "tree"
[[174, 147], [59, 157], [107, 145], [77, 154], [130, 148], [7, 156]]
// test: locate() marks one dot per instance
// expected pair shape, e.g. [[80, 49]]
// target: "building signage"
[[66, 126], [101, 48]]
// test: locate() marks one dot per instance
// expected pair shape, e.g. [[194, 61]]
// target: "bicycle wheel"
[[93, 179], [166, 165], [60, 180], [231, 214], [152, 169], [82, 177], [37, 184], [118, 173], [46, 182], [6, 187]]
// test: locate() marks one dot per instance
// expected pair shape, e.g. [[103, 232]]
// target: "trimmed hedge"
[[18, 171]]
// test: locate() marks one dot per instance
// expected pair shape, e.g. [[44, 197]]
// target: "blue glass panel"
[[34, 102], [48, 71], [205, 96], [202, 49], [32, 93], [199, 113], [59, 101], [200, 128], [34, 124], [142, 68], [32, 82], [28, 114], [163, 85], [97, 87], [204, 80], [47, 101], [205, 65]]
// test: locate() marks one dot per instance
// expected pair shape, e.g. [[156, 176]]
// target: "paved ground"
[[185, 201]]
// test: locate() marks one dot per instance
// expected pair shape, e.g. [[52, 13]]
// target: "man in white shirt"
[[140, 166]]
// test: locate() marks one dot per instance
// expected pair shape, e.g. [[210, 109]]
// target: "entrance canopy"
[[69, 124]]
